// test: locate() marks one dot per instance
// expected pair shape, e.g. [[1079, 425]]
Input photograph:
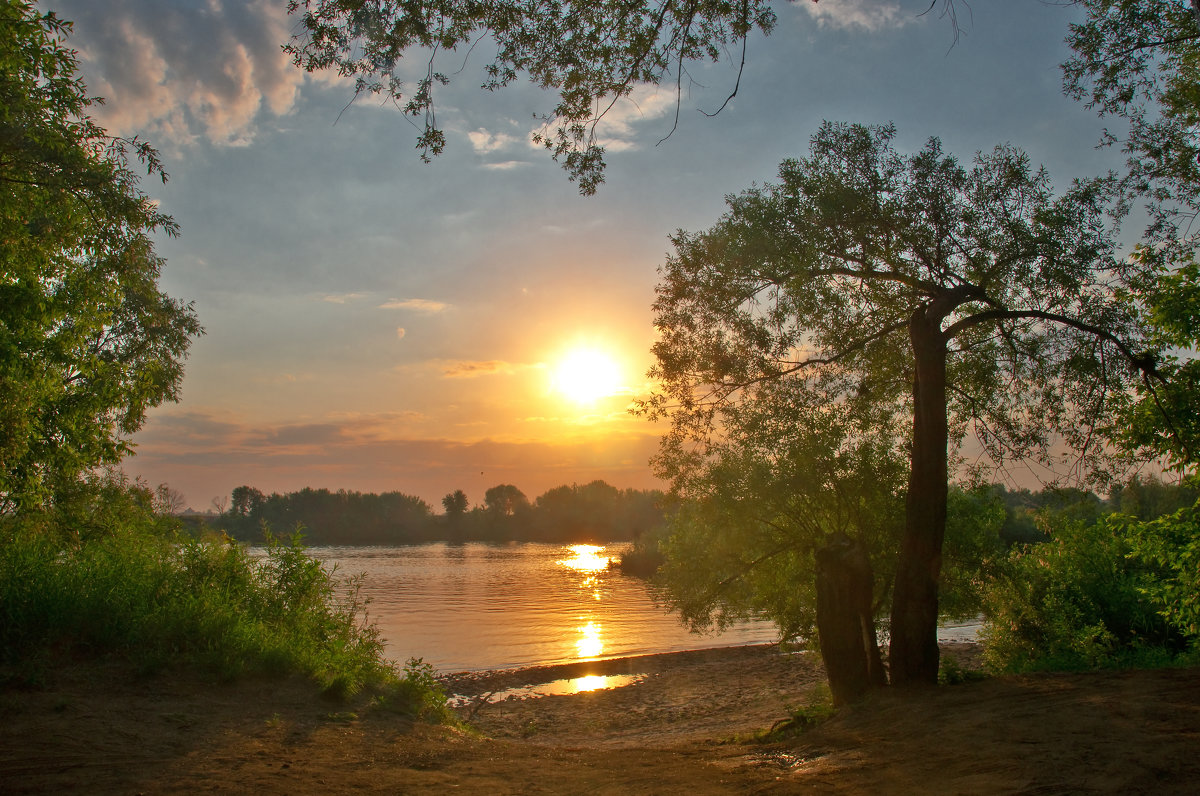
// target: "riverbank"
[[681, 729]]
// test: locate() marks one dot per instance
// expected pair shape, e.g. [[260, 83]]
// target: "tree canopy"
[[88, 342], [590, 53], [927, 299]]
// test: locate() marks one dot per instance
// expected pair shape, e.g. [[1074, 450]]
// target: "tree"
[[505, 500], [455, 503], [246, 501], [937, 298], [88, 342], [1139, 61], [797, 501]]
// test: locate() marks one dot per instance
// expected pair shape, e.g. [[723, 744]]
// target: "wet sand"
[[685, 728]]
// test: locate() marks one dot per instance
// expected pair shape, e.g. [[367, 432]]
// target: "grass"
[[140, 591]]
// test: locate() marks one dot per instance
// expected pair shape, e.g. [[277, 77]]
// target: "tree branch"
[[1145, 363]]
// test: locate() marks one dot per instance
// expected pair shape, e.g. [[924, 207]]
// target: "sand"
[[686, 727]]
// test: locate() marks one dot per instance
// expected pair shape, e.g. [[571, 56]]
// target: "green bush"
[[1077, 601], [130, 586], [1170, 546]]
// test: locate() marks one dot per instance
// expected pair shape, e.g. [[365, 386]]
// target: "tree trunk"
[[913, 658], [846, 621]]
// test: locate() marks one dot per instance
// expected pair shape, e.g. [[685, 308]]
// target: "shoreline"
[[967, 653], [693, 725], [617, 664]]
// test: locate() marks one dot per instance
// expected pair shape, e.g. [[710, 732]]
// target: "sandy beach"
[[686, 726]]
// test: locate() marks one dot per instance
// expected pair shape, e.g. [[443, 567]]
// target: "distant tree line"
[[578, 513]]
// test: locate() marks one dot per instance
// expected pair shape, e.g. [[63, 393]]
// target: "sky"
[[375, 323]]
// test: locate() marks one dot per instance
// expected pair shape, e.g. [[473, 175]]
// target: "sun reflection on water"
[[589, 563], [589, 643], [587, 558]]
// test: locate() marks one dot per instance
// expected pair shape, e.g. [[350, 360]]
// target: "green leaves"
[[1139, 61], [88, 343], [812, 281], [590, 53]]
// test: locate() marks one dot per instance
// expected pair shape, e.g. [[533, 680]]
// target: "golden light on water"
[[588, 561], [587, 558], [592, 682], [589, 643]]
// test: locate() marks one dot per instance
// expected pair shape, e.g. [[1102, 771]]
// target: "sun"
[[585, 375]]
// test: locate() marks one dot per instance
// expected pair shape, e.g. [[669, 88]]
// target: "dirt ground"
[[686, 727]]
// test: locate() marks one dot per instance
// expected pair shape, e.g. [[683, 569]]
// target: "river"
[[483, 606]]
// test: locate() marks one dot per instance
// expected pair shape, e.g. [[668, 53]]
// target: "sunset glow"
[[585, 375]]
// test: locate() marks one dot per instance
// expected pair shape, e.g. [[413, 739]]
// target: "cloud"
[[303, 435], [485, 142], [416, 304], [203, 455], [400, 332], [342, 298], [464, 369], [871, 15], [506, 165], [184, 70], [615, 130]]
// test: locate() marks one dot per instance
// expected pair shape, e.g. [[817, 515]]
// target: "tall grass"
[[158, 599]]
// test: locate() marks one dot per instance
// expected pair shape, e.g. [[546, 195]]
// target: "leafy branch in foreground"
[[592, 54]]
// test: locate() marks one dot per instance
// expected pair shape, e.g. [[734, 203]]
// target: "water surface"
[[470, 607]]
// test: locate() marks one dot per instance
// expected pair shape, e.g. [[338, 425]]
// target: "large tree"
[[88, 342], [967, 300]]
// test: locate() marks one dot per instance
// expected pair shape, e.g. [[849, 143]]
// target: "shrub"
[[128, 586], [1077, 601]]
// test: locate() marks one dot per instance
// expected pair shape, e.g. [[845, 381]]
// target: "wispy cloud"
[[343, 298], [506, 165], [871, 15], [468, 369], [615, 130], [203, 454], [415, 304]]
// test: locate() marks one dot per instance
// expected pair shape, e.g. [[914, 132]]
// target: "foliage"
[[88, 342], [952, 673], [130, 586], [974, 522], [1139, 61], [762, 501], [455, 503], [645, 556], [901, 289], [575, 513], [1165, 420], [1169, 545], [1077, 601], [590, 53], [818, 709], [418, 694], [1148, 497]]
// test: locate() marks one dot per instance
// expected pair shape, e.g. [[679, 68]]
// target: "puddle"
[[575, 685]]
